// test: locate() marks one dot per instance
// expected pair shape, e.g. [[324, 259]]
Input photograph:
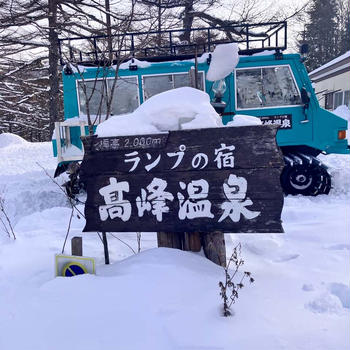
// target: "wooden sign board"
[[202, 180]]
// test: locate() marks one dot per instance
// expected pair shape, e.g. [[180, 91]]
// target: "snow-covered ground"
[[164, 299]]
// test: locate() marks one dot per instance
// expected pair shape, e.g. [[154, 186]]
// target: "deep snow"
[[169, 299]]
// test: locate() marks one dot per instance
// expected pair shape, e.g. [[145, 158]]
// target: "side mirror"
[[305, 97], [304, 49]]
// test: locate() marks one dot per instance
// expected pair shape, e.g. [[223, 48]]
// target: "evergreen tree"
[[321, 33], [327, 31], [344, 21]]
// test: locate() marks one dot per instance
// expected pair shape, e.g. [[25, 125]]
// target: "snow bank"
[[224, 60], [339, 168], [344, 112], [169, 110], [24, 185], [7, 139]]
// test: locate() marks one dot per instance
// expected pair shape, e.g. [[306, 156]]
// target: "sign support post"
[[77, 246], [105, 247]]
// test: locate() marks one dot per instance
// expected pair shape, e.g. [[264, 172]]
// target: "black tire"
[[305, 175], [326, 182]]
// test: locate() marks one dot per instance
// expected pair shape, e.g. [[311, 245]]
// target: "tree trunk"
[[187, 21], [214, 247], [109, 33], [53, 65]]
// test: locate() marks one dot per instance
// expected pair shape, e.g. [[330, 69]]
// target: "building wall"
[[332, 82], [339, 82]]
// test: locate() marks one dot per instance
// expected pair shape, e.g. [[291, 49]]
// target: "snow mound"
[[7, 139], [169, 110], [339, 168], [342, 291], [157, 295], [344, 112], [24, 185], [224, 60], [244, 120]]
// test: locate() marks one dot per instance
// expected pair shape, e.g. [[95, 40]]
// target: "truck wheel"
[[306, 175]]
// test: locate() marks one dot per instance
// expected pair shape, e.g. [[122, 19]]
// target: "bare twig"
[[129, 246], [229, 286], [68, 229], [5, 219], [138, 237]]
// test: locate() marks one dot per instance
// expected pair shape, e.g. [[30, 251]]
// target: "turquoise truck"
[[267, 83]]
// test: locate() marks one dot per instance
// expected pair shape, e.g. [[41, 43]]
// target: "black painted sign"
[[203, 180], [283, 121]]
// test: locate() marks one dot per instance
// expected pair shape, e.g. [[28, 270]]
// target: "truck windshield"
[[266, 87]]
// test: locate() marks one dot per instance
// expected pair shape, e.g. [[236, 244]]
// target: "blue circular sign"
[[73, 269]]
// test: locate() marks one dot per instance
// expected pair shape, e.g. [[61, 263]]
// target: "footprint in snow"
[[325, 303], [340, 246], [286, 257], [308, 287]]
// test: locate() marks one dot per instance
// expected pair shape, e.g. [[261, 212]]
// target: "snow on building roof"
[[331, 63]]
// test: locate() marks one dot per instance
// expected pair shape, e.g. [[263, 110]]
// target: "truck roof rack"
[[175, 44]]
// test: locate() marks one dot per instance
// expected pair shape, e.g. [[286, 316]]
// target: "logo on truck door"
[[284, 121]]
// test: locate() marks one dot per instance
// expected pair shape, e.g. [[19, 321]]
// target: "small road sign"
[[70, 265], [73, 269]]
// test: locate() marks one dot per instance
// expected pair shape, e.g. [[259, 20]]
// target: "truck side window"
[[125, 95], [97, 93], [266, 87], [155, 84], [92, 94]]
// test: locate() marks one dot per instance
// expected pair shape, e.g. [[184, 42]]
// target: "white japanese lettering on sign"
[[116, 206], [224, 158], [154, 199], [195, 205], [235, 191], [193, 200]]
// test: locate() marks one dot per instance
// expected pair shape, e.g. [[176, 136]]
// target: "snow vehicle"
[[266, 83]]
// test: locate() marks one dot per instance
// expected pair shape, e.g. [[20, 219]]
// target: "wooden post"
[[192, 241], [214, 247], [77, 246], [169, 239], [105, 247]]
